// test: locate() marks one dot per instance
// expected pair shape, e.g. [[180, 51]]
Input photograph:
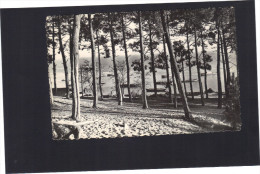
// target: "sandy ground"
[[110, 120]]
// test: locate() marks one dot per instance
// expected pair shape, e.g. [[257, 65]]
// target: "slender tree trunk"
[[145, 105], [122, 90], [50, 87], [224, 64], [94, 83], [205, 68], [189, 58], [63, 59], [227, 64], [126, 59], [75, 56], [198, 69], [72, 68], [167, 71], [218, 71], [81, 81], [183, 78], [118, 89], [173, 76], [152, 57], [99, 68], [174, 85], [53, 58], [186, 108], [237, 78]]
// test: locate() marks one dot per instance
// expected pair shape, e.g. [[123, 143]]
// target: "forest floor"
[[110, 120]]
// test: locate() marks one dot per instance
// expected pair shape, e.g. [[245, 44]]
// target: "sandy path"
[[130, 120]]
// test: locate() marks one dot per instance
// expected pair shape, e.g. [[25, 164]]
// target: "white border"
[[63, 3]]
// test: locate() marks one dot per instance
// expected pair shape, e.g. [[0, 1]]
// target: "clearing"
[[110, 120]]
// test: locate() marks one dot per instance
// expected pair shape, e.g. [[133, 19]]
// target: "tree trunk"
[[167, 71], [145, 105], [205, 69], [198, 69], [72, 67], [174, 85], [152, 58], [94, 83], [218, 71], [189, 58], [126, 59], [81, 81], [75, 57], [50, 87], [118, 89], [99, 68], [175, 68], [63, 59], [183, 78], [122, 90], [227, 64], [223, 62], [53, 59], [173, 76]]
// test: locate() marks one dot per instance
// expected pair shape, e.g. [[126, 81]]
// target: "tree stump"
[[63, 130]]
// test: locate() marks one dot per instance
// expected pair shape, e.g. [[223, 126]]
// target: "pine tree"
[[186, 108], [167, 71], [180, 51], [126, 56], [111, 31], [145, 104], [95, 97], [218, 62], [172, 65], [223, 62], [75, 64], [198, 68], [150, 24], [64, 60], [53, 55]]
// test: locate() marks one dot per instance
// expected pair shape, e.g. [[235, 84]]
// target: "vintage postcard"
[[143, 73], [119, 87]]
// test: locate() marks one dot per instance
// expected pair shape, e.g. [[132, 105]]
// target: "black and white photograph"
[[133, 87], [143, 73]]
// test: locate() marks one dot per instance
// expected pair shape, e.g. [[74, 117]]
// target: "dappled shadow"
[[160, 112], [56, 101], [132, 114], [210, 125]]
